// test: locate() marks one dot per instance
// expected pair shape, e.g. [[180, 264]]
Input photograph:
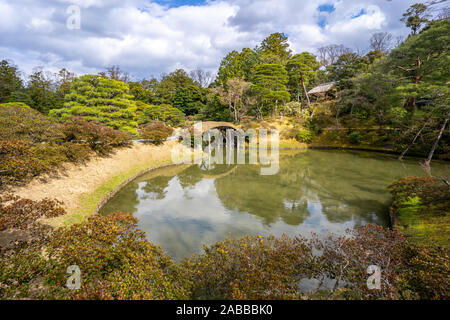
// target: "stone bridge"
[[209, 125]]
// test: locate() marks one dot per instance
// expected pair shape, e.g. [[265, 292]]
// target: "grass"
[[115, 174], [421, 210], [89, 203], [422, 224]]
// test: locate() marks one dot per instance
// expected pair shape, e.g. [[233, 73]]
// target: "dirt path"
[[82, 187]]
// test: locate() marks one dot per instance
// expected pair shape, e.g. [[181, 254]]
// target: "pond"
[[322, 191]]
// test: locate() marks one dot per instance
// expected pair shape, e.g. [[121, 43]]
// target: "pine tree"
[[270, 82], [102, 100]]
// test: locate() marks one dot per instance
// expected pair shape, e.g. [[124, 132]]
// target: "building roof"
[[322, 88]]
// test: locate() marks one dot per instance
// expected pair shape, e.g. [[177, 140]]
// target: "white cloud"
[[146, 38]]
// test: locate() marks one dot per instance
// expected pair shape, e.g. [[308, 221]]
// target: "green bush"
[[305, 136], [166, 113], [31, 143], [19, 122], [355, 137], [157, 132]]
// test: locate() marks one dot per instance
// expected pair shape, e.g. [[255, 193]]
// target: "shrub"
[[346, 259], [305, 136], [250, 268], [116, 261], [17, 161], [355, 137], [289, 133], [157, 132], [21, 213], [32, 143], [166, 113], [19, 122], [99, 138]]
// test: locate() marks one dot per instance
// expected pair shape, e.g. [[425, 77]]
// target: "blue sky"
[[179, 3], [150, 37]]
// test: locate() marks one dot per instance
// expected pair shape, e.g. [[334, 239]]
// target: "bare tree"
[[381, 41], [235, 97], [203, 78], [329, 54], [115, 73], [399, 40]]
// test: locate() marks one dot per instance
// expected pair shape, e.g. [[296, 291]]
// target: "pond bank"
[[83, 188], [421, 210]]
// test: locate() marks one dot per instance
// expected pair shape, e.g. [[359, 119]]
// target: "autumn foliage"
[[117, 262]]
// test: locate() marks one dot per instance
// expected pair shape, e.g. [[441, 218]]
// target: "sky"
[[149, 37]]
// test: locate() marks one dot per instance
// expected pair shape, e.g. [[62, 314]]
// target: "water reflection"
[[318, 191]]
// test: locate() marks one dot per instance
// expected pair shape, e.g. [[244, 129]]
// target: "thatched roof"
[[322, 88]]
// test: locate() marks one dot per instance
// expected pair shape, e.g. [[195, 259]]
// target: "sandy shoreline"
[[83, 187]]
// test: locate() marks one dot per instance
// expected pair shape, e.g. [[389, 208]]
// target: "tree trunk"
[[306, 93], [430, 156], [412, 142], [337, 118]]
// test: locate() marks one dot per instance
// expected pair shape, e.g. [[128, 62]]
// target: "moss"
[[421, 210]]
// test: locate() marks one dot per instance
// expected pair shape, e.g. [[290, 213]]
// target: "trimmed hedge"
[[31, 143]]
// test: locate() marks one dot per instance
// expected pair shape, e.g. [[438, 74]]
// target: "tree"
[[41, 90], [329, 54], [415, 17], [238, 65], [164, 112], [270, 82], [301, 69], [11, 85], [102, 100], [115, 73], [275, 49], [422, 64], [188, 99], [347, 66], [165, 91], [381, 41], [203, 78], [234, 96]]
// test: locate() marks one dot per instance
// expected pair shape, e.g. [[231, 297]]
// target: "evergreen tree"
[[102, 100], [422, 63], [270, 83], [302, 69], [415, 17], [275, 49], [11, 85]]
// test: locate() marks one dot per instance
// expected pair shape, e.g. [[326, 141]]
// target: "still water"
[[321, 191]]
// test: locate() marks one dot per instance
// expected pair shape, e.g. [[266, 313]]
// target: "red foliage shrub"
[[250, 268], [157, 132], [21, 213], [99, 138]]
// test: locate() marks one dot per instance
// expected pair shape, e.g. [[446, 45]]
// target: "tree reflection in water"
[[315, 191]]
